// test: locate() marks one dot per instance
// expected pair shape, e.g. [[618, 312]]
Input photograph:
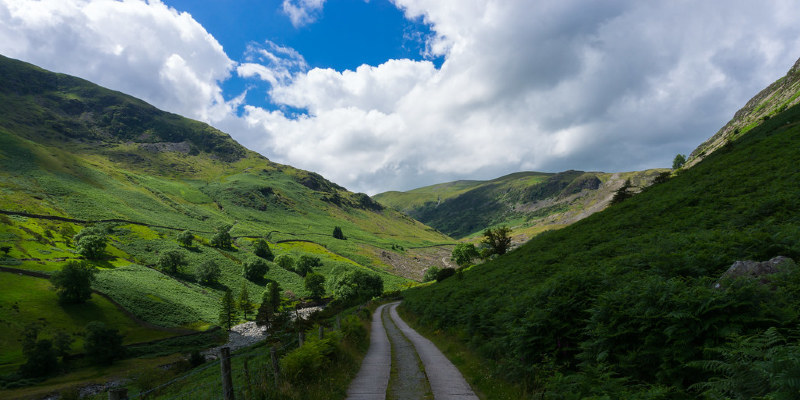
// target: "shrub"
[[102, 345], [185, 238], [261, 249], [171, 261], [353, 286], [464, 253], [254, 269], [430, 274], [208, 272], [338, 234], [305, 363], [91, 243], [74, 282], [445, 273], [315, 284], [285, 261], [306, 265], [222, 238]]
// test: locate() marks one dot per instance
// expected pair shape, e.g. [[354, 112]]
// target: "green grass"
[[26, 300], [620, 304]]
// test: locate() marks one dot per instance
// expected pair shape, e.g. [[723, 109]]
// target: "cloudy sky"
[[395, 94]]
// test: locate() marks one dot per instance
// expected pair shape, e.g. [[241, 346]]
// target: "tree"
[[315, 283], [353, 286], [227, 310], [40, 355], [261, 249], [338, 234], [62, 342], [208, 272], [244, 303], [185, 238], [445, 273], [622, 193], [306, 265], [222, 238], [171, 261], [497, 240], [679, 160], [285, 261], [464, 253], [91, 243], [74, 282], [430, 274], [254, 269], [5, 250], [102, 345]]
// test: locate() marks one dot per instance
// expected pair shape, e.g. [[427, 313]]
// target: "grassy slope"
[[73, 149], [625, 296], [529, 202]]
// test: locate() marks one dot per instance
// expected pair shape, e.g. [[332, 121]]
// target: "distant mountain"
[[777, 97], [527, 201]]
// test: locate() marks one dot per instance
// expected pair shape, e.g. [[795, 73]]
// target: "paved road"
[[446, 382]]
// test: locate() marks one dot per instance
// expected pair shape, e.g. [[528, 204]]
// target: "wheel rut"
[[401, 364]]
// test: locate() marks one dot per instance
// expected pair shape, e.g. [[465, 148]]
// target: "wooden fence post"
[[321, 332], [301, 337], [225, 365]]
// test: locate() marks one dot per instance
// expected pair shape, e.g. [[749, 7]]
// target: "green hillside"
[[74, 155], [528, 202], [623, 304]]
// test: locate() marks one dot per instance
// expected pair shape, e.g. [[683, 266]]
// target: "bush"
[[102, 345], [91, 243], [171, 261], [338, 234], [445, 273], [185, 238], [222, 238], [254, 269], [305, 363], [74, 282], [430, 274], [261, 249], [285, 261], [315, 284], [208, 272], [306, 265], [353, 286]]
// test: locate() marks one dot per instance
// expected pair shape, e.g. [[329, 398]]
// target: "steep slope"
[[777, 97], [624, 304], [529, 202], [75, 155]]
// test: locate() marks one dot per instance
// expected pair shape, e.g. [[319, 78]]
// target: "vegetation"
[[185, 238], [74, 282], [497, 241], [623, 304], [337, 233], [430, 274], [208, 272], [355, 286], [223, 237], [679, 160], [254, 269], [171, 261], [307, 264], [261, 249], [464, 253], [244, 304], [227, 311], [91, 243], [103, 344], [315, 284]]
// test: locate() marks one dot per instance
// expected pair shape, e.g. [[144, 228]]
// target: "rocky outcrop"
[[755, 269]]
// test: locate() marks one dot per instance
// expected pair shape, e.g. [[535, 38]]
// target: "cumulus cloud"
[[145, 49], [545, 85], [302, 12]]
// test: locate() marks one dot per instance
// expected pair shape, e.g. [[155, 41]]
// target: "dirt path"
[[393, 361]]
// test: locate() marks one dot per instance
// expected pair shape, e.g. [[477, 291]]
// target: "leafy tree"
[[91, 243], [254, 269], [227, 311], [285, 261], [497, 240], [430, 274], [306, 265], [5, 250], [222, 238], [244, 304], [337, 233], [445, 273], [41, 359], [353, 286], [622, 193], [679, 160], [315, 283], [102, 344], [171, 261], [74, 282], [62, 342], [464, 253], [208, 272], [185, 238], [661, 178], [261, 249]]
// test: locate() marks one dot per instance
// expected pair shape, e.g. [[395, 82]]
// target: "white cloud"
[[302, 12], [145, 49], [546, 85]]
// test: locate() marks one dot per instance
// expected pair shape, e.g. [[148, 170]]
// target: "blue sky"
[[396, 94], [347, 34]]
